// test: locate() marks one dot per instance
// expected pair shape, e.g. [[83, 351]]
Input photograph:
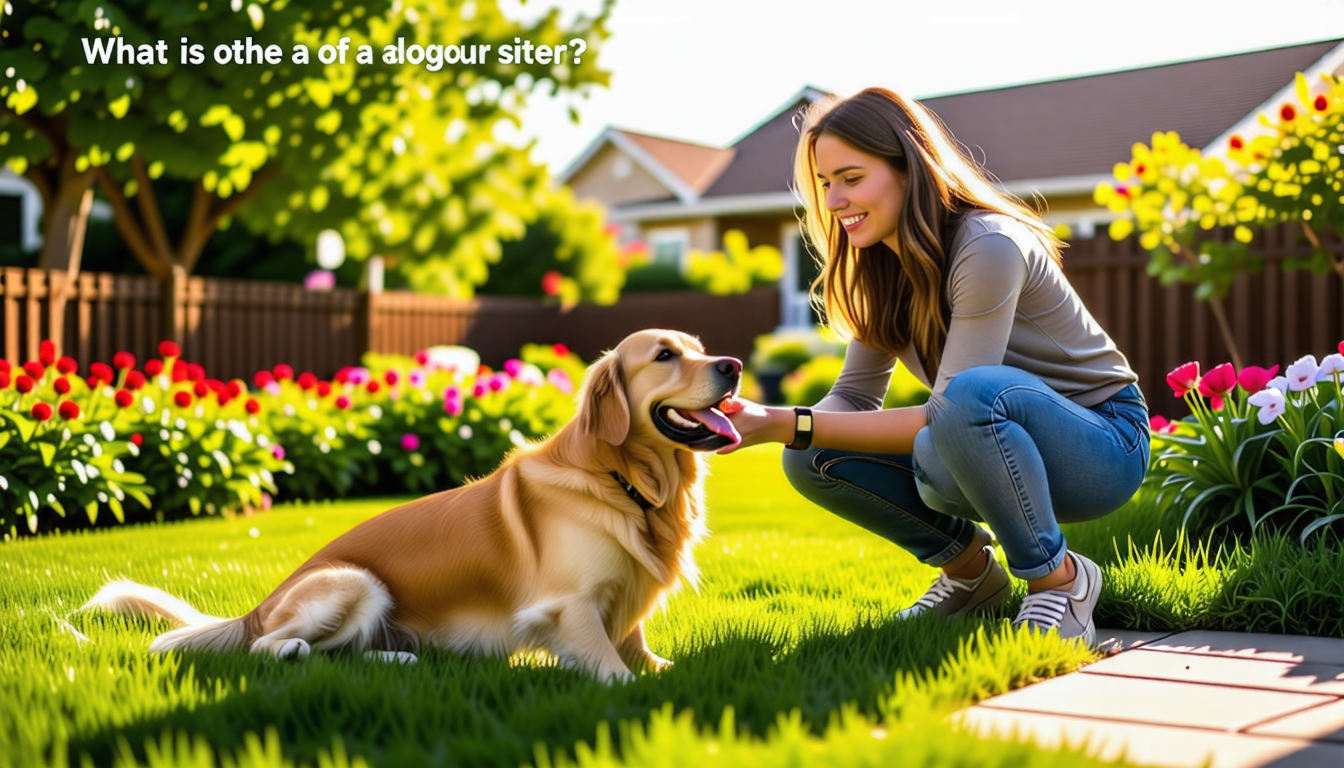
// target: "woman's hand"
[[758, 424]]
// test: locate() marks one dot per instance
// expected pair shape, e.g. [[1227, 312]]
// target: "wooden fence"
[[234, 328]]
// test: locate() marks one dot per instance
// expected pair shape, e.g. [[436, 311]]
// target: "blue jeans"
[[1008, 451]]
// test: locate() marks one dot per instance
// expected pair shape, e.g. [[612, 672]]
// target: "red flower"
[[391, 377], [135, 380], [46, 352], [1122, 191], [1160, 424], [67, 365], [1235, 142], [201, 389], [102, 372], [1253, 378], [1320, 103], [372, 386], [1341, 347], [235, 387], [262, 379], [182, 398], [195, 372], [137, 440], [1184, 378], [1139, 168], [1287, 113], [4, 379], [483, 370], [41, 411], [68, 410], [123, 360], [343, 375], [422, 357], [24, 384], [560, 350], [283, 372], [154, 367], [323, 388], [550, 283], [5, 367], [179, 370], [124, 398], [61, 385], [169, 349], [1219, 381], [307, 381], [34, 369], [343, 402], [252, 406]]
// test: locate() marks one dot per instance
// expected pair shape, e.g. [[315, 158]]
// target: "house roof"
[[1055, 130], [1084, 125]]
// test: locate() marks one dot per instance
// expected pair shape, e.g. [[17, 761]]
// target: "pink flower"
[[453, 406], [319, 280], [1184, 378], [550, 283], [1217, 383], [392, 377], [560, 380], [359, 376], [513, 367], [499, 382], [1253, 378], [410, 442], [278, 451], [343, 402], [1160, 425], [479, 390], [422, 357], [416, 377]]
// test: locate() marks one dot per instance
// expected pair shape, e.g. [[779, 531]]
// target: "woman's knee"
[[800, 467]]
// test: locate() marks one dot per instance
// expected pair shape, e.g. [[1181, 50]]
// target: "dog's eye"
[[666, 354]]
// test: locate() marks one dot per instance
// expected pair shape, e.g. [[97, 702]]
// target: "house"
[[1053, 141]]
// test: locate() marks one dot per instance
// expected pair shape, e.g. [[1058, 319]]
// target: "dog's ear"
[[603, 409]]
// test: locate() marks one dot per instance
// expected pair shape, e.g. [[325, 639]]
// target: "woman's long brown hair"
[[883, 299]]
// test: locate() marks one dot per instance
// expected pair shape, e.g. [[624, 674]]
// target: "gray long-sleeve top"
[[1011, 305]]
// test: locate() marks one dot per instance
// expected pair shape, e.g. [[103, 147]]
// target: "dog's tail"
[[195, 630]]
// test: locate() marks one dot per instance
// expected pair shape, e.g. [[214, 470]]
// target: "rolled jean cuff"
[[1043, 570], [956, 547]]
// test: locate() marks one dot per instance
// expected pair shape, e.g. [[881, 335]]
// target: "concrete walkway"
[[1181, 699]]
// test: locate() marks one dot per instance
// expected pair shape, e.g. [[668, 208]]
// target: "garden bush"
[[168, 442], [1257, 451]]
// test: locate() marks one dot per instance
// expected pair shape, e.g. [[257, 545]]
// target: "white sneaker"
[[954, 598], [1070, 612]]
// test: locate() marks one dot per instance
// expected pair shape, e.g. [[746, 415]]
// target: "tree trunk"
[[65, 217]]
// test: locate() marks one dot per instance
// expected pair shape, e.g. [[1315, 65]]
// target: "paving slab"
[[1157, 702], [1323, 723], [1230, 671], [1293, 648], [1152, 744], [1127, 639]]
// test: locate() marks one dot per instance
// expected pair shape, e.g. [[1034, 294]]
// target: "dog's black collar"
[[633, 492]]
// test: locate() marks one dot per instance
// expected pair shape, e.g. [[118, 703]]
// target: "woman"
[[1035, 417]]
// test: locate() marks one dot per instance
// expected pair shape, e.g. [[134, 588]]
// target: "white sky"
[[709, 70]]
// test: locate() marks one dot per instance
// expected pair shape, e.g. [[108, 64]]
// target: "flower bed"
[[166, 441], [1258, 450]]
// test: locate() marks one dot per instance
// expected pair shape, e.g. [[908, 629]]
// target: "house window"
[[669, 246]]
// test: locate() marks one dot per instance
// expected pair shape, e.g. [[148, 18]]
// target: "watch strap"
[[802, 429]]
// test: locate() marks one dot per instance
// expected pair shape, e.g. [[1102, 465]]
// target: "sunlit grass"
[[790, 637]]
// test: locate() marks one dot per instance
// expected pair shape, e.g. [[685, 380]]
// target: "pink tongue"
[[716, 421]]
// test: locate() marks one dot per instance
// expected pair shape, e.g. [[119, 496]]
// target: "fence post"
[[172, 295], [368, 316]]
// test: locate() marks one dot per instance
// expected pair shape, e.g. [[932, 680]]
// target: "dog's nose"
[[729, 366]]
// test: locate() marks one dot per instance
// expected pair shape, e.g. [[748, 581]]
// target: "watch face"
[[804, 422]]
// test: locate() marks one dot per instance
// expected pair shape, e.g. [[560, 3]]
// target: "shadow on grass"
[[450, 710]]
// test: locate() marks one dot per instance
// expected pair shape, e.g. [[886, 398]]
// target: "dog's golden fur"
[[547, 552]]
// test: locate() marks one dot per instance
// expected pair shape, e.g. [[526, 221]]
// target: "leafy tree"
[[1176, 199], [400, 157]]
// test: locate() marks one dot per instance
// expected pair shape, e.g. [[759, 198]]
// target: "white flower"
[[1271, 403], [1302, 374], [375, 447], [464, 431], [109, 434], [1331, 365]]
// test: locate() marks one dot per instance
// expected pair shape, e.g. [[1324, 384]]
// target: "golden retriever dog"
[[567, 547]]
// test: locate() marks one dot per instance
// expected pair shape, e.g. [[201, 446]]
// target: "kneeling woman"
[[1035, 417]]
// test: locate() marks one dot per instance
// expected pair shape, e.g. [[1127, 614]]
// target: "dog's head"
[[660, 386]]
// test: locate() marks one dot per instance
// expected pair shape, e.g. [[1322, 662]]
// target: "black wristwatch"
[[802, 429]]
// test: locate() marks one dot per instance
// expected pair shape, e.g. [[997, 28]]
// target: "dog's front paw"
[[294, 648]]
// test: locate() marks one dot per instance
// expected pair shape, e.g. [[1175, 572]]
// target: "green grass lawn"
[[786, 654]]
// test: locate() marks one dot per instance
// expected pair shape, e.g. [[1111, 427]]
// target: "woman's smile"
[[851, 223]]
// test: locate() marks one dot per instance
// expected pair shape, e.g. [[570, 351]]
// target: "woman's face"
[[862, 190]]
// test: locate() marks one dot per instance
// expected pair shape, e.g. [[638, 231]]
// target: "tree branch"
[[150, 214], [199, 231], [124, 219], [44, 127]]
